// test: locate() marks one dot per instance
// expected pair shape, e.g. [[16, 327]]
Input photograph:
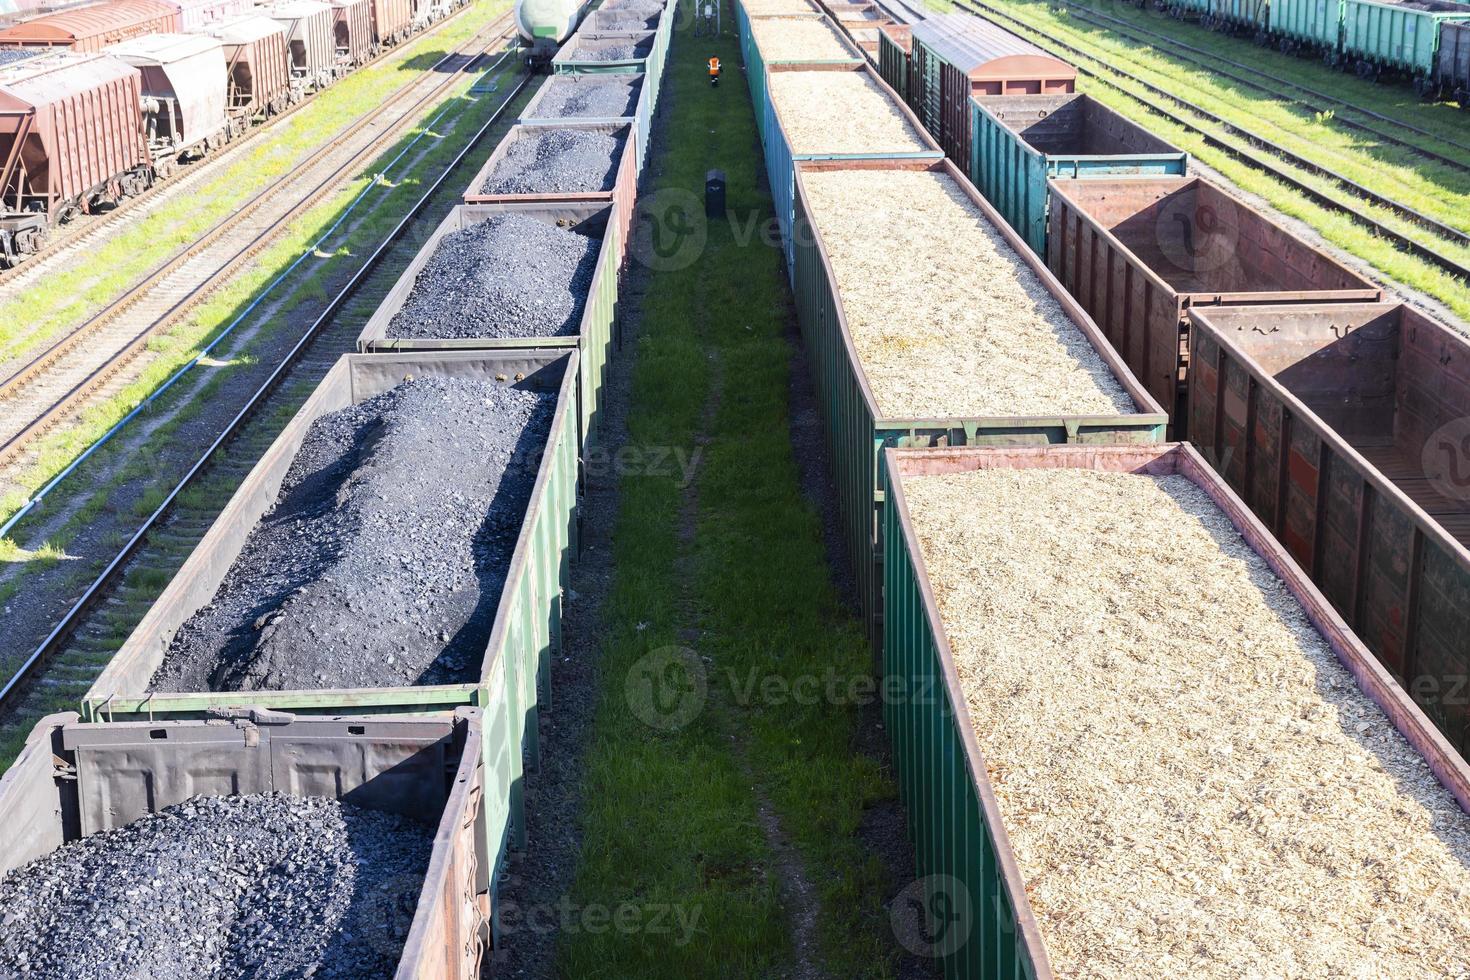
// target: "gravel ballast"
[[609, 49], [840, 112], [947, 320], [798, 39], [221, 887], [1192, 784], [383, 559], [557, 161], [509, 276], [588, 96]]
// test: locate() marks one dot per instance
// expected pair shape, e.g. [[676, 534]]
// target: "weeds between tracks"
[[735, 799]]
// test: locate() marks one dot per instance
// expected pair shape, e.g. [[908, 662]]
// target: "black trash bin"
[[714, 194]]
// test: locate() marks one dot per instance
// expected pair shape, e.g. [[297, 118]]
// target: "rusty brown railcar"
[[71, 138], [258, 63], [392, 21], [352, 32], [310, 40], [1346, 428], [1138, 253], [89, 29]]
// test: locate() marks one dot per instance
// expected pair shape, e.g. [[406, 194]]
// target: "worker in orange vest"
[[714, 71]]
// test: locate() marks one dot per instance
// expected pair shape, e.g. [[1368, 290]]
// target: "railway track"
[[90, 359], [1154, 102], [85, 634], [1278, 87], [82, 233]]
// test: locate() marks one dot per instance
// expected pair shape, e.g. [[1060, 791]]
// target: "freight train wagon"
[[1023, 593], [1424, 41], [507, 645], [896, 58], [258, 63], [903, 355], [311, 42], [1404, 38], [93, 28], [1344, 428], [590, 51], [1020, 142], [770, 40], [71, 140], [1140, 253], [957, 56], [617, 98], [185, 95], [75, 781], [1452, 72], [352, 33], [546, 24], [593, 331]]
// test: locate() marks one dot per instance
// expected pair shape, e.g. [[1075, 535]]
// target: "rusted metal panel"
[[185, 76], [70, 126], [93, 27], [623, 194], [74, 779], [258, 63], [942, 775], [1139, 252], [1344, 427], [352, 31]]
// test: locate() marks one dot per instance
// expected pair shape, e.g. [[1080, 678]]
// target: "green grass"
[[41, 313], [1247, 109], [670, 816]]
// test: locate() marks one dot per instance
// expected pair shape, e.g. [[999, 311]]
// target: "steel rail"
[[78, 393], [99, 586], [1411, 245], [1097, 18], [100, 222], [1298, 87]]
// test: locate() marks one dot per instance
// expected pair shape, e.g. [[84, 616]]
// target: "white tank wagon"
[[185, 95], [545, 24]]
